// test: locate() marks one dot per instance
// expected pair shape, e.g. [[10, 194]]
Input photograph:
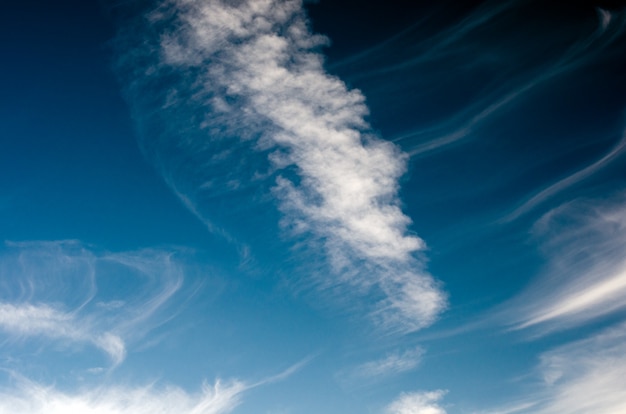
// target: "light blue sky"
[[208, 207]]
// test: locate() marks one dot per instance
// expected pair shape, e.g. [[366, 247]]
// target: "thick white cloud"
[[417, 403], [250, 69]]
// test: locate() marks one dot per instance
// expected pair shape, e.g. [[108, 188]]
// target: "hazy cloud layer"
[[250, 74]]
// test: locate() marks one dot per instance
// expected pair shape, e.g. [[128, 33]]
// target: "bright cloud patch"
[[32, 398], [417, 403], [246, 79]]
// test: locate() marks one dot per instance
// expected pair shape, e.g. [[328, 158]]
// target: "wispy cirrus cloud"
[[586, 246], [568, 181], [27, 320], [391, 364], [61, 292], [584, 376], [433, 46], [244, 80], [511, 88], [32, 398], [24, 396], [417, 403]]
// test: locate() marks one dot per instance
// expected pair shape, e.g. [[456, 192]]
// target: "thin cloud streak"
[[511, 409], [284, 374], [567, 182], [391, 364], [438, 44], [581, 377], [253, 72], [579, 54]]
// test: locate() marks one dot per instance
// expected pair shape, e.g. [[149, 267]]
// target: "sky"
[[285, 207]]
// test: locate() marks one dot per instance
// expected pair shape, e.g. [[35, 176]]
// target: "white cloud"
[[51, 291], [251, 69], [583, 377], [28, 397], [586, 245], [392, 364], [23, 396], [586, 376], [42, 320], [417, 403], [32, 398]]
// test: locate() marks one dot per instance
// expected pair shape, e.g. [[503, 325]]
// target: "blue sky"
[[279, 207]]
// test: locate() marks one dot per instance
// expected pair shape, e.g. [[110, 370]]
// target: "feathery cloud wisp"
[[44, 321], [569, 181], [391, 364], [51, 292], [586, 376], [586, 247], [581, 377], [33, 398]]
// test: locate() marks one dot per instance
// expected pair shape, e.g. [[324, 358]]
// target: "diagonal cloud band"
[[247, 79]]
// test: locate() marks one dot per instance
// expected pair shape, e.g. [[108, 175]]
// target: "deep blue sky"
[[207, 208]]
